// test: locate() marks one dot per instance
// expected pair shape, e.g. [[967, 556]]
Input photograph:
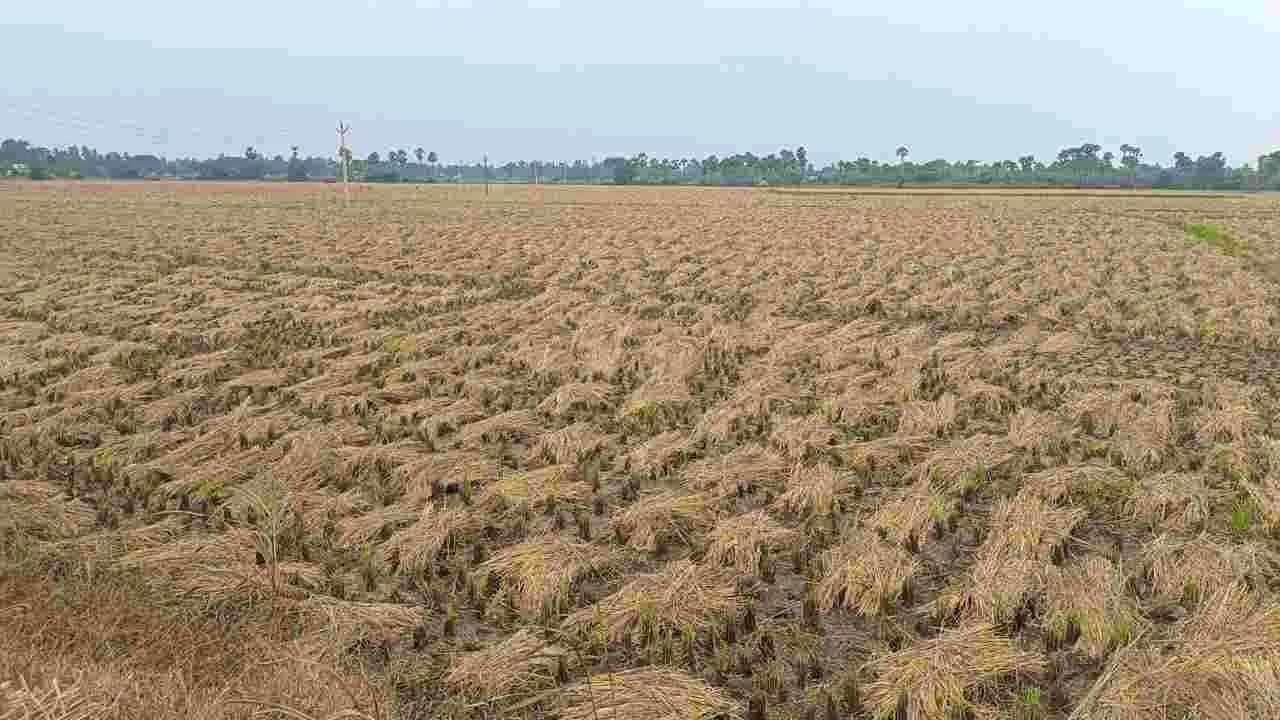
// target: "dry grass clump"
[[1027, 525], [126, 657], [372, 525], [659, 403], [227, 434], [1192, 569], [886, 451], [442, 422], [1099, 411], [992, 400], [382, 461], [927, 417], [1061, 342], [1024, 532], [539, 573], [719, 424], [225, 568], [570, 444], [965, 462], [1234, 462], [1144, 434], [520, 661], [56, 701], [416, 547], [1229, 415], [1224, 664], [1056, 484], [657, 455], [649, 693], [1176, 500], [312, 459], [744, 470], [1266, 492], [906, 516], [1088, 598], [508, 426], [740, 540], [756, 398], [683, 598], [1031, 430], [346, 621], [812, 490], [537, 488], [453, 471], [845, 346], [860, 406], [937, 676], [656, 519], [575, 397], [865, 574], [800, 436], [41, 511]]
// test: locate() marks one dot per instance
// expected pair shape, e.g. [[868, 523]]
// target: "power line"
[[155, 136]]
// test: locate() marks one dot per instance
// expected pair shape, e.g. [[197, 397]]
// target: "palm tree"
[[1129, 157], [420, 154], [902, 153], [433, 159]]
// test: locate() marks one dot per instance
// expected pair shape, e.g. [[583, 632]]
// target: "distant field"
[[593, 452], [1015, 191]]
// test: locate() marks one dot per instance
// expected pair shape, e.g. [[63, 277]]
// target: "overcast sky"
[[564, 80]]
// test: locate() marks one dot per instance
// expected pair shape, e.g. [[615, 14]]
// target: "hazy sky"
[[562, 80]]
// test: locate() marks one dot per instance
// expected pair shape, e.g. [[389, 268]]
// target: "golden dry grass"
[[965, 462], [937, 675], [1024, 532], [907, 515], [520, 660], [812, 489], [537, 488], [539, 573], [1196, 567], [746, 469], [158, 665], [683, 597], [655, 519], [1176, 500], [416, 547], [647, 694], [865, 574], [738, 541], [402, 434], [1225, 663], [924, 417], [1091, 596]]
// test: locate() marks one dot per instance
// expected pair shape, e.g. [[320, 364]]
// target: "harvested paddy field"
[[612, 453]]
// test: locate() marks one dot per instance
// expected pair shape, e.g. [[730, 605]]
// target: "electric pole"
[[344, 156]]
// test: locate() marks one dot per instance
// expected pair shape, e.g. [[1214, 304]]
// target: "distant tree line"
[[1087, 164]]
